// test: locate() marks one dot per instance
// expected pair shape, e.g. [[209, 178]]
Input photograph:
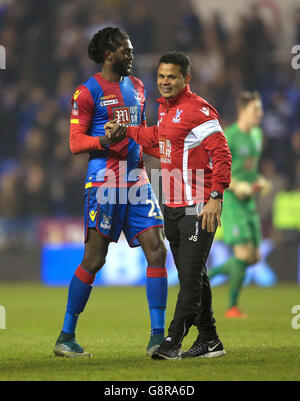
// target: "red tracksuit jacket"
[[194, 154]]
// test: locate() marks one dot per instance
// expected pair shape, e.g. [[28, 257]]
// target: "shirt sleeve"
[[205, 129], [80, 142], [219, 152], [154, 152], [82, 107], [208, 132], [80, 121], [145, 136], [205, 120], [151, 151]]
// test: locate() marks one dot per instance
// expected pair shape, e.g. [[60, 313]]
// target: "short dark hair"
[[246, 97], [107, 39], [177, 58]]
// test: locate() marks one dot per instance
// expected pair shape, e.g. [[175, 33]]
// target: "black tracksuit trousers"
[[190, 246]]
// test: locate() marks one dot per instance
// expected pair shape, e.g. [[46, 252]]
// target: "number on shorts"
[[153, 203]]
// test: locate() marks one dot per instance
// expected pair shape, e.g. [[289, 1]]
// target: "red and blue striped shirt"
[[93, 104]]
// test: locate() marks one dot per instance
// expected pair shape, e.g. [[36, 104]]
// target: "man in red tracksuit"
[[195, 166]]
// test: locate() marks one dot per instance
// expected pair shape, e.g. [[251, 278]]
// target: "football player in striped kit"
[[118, 195]]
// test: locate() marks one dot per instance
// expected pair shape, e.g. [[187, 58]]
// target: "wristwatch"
[[216, 195]]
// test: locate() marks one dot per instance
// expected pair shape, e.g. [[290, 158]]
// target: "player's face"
[[123, 59], [170, 80], [254, 112]]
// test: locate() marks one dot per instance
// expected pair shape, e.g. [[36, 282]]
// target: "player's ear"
[[108, 55], [187, 79]]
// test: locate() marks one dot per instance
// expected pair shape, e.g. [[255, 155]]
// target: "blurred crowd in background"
[[46, 49]]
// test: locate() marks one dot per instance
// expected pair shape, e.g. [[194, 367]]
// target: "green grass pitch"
[[115, 328]]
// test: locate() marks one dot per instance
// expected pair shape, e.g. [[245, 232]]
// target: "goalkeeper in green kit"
[[240, 220]]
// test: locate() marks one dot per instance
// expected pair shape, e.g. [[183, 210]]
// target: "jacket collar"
[[179, 98]]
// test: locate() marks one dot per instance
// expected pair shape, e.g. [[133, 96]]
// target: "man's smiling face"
[[170, 80]]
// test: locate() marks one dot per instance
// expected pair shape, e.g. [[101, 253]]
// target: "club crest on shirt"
[[177, 118], [106, 222], [137, 96], [75, 109]]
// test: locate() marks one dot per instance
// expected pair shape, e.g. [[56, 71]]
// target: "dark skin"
[[116, 65], [170, 82]]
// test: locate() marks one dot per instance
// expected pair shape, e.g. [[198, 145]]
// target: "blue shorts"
[[112, 210]]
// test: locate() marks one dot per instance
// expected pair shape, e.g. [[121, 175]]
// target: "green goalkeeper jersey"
[[240, 220], [246, 150]]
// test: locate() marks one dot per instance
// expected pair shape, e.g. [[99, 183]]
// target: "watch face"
[[215, 195]]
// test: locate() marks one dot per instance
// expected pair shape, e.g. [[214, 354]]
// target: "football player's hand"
[[115, 131], [211, 214], [263, 185], [109, 126], [242, 189]]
